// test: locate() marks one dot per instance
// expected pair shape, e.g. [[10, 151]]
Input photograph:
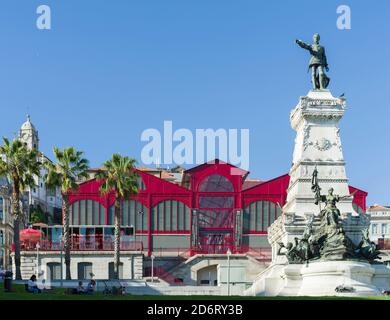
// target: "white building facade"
[[379, 222], [6, 224], [49, 201]]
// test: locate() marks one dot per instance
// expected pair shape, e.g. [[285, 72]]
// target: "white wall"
[[132, 263]]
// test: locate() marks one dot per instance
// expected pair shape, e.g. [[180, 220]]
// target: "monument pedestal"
[[318, 146], [321, 279]]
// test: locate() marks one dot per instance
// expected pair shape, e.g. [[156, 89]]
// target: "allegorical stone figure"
[[331, 212], [290, 252], [318, 63], [367, 248]]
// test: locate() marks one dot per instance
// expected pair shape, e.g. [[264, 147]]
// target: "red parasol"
[[30, 235]]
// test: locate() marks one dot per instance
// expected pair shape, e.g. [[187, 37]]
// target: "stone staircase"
[[28, 266]]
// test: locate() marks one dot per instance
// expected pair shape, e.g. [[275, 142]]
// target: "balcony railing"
[[84, 243], [260, 253]]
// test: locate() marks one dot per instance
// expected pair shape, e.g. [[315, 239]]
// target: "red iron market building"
[[206, 210]]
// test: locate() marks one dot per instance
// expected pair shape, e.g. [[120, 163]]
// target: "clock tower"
[[29, 135]]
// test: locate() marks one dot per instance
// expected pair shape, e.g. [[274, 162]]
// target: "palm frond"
[[18, 163], [69, 168], [118, 176]]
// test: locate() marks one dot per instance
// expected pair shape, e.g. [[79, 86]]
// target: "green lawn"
[[19, 293]]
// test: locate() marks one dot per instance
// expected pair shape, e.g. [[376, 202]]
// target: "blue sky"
[[107, 70]]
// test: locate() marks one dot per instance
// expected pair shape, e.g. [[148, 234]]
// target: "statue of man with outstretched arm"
[[318, 63]]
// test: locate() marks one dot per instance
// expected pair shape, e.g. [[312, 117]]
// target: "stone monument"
[[320, 244]]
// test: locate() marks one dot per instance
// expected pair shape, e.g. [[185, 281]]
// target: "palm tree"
[[119, 177], [69, 169], [20, 165]]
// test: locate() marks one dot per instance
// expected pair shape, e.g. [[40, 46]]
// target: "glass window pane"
[[216, 202], [111, 215], [89, 212], [140, 211], [82, 212], [96, 213], [167, 216], [246, 219], [84, 270], [252, 216], [265, 215], [145, 218], [180, 216], [136, 221], [187, 218], [259, 215], [216, 183], [76, 213], [161, 216], [125, 213], [174, 215], [102, 215], [272, 212], [133, 212], [154, 217]]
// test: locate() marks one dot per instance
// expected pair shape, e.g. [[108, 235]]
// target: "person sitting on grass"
[[32, 285], [80, 289], [91, 287]]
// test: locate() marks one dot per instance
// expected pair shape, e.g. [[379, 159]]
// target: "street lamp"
[[228, 253], [62, 262], [152, 257], [38, 247]]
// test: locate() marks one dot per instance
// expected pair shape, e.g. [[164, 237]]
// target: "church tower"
[[29, 135]]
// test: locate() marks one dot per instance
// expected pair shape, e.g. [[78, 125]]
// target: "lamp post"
[[152, 257], [228, 253], [62, 263], [37, 247], [2, 251]]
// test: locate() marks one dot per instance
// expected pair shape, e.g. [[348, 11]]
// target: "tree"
[[37, 215], [20, 165], [70, 167], [119, 177]]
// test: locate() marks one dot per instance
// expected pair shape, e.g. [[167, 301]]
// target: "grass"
[[19, 293]]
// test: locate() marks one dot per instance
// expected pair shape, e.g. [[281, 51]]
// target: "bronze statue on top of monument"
[[318, 63]]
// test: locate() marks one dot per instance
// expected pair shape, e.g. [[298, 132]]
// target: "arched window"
[[216, 183], [135, 214], [87, 212], [259, 215], [170, 215]]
